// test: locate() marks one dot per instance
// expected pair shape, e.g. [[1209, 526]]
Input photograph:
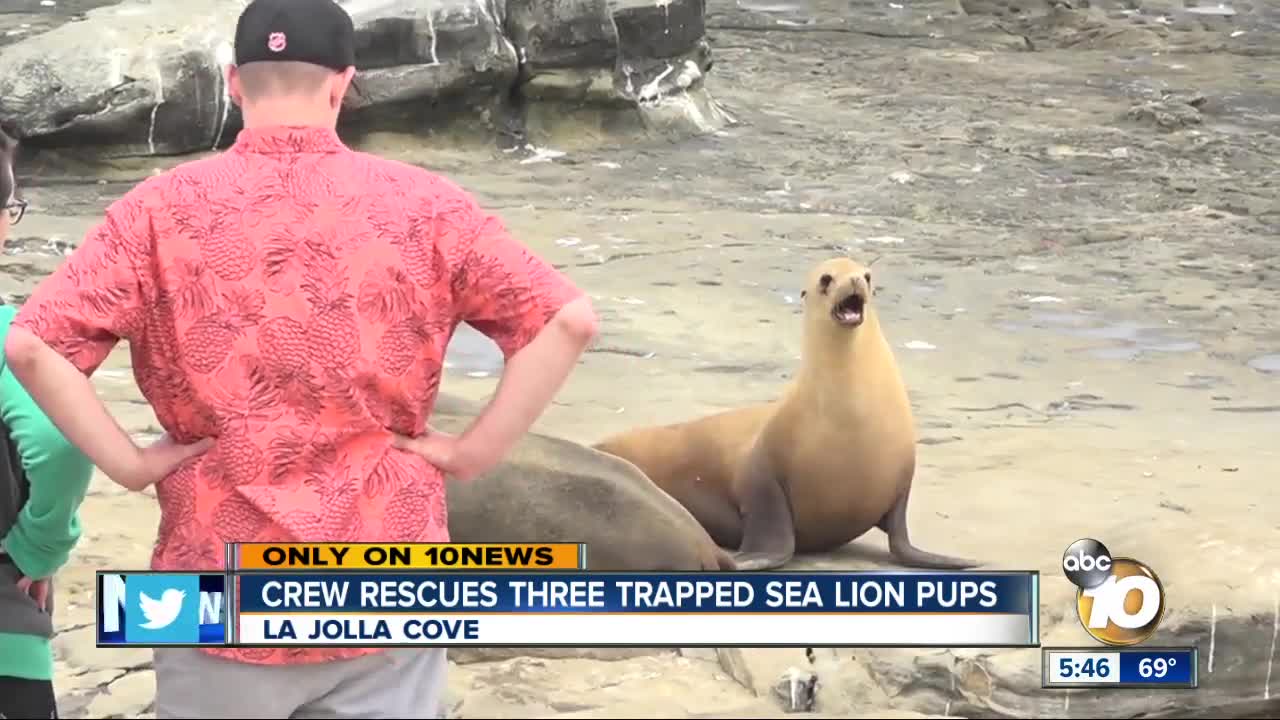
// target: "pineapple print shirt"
[[293, 298]]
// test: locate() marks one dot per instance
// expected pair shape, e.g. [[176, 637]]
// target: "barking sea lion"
[[833, 458]]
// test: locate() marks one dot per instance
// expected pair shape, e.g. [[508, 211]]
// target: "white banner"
[[648, 630]]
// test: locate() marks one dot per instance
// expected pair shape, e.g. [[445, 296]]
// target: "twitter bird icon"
[[161, 613], [162, 609]]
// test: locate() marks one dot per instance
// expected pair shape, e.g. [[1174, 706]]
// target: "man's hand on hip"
[[442, 450], [532, 376]]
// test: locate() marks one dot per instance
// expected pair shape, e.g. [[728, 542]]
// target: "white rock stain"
[[223, 57], [666, 13], [159, 100]]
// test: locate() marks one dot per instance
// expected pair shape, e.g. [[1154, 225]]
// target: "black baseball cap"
[[319, 32]]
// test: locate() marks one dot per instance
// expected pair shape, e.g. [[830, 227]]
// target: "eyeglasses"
[[16, 208]]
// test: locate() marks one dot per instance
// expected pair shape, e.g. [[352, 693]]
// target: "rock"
[[845, 684], [143, 77], [797, 690], [568, 46], [410, 52], [126, 697], [703, 654], [1171, 112], [757, 668], [147, 77], [90, 680]]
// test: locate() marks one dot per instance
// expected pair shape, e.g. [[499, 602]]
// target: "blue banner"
[[1158, 667], [833, 592]]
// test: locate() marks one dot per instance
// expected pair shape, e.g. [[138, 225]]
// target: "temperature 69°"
[[1155, 667]]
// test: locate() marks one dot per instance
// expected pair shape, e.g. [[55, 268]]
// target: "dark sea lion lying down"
[[553, 490]]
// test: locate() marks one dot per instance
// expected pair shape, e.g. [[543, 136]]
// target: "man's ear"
[[234, 91], [338, 90]]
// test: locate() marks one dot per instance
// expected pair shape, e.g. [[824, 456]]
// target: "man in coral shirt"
[[288, 304]]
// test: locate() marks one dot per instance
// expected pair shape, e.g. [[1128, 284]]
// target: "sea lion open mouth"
[[848, 312]]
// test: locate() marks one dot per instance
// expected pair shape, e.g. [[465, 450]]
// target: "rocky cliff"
[[146, 77]]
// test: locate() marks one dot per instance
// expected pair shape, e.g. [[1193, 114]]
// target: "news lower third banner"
[[647, 610], [574, 609]]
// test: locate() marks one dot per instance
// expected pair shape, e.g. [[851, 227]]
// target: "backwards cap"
[[319, 32]]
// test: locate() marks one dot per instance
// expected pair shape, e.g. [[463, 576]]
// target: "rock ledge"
[[146, 78]]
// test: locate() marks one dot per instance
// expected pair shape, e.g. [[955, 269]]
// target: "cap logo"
[[276, 41]]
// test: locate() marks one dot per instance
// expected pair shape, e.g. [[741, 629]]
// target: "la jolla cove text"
[[322, 631], [475, 594]]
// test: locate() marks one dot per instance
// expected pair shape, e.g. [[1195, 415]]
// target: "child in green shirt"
[[43, 479]]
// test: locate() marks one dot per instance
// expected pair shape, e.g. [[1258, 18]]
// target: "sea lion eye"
[[867, 277], [824, 282]]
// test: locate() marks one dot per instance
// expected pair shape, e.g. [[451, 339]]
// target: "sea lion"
[[814, 470], [553, 490]]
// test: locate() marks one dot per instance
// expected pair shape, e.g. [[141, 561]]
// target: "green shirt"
[[48, 526]]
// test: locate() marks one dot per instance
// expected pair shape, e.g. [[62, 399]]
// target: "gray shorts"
[[398, 682]]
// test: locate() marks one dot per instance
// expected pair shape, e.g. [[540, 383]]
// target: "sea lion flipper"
[[768, 529], [894, 524]]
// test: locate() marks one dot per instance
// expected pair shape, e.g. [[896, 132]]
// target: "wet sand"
[[1081, 297]]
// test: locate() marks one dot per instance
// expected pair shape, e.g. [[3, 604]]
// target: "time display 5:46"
[[1088, 667]]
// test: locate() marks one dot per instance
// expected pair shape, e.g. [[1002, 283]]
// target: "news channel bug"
[[1120, 601]]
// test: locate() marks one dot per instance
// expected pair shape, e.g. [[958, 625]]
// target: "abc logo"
[[1120, 601]]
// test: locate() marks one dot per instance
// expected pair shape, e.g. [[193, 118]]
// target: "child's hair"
[[8, 181]]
